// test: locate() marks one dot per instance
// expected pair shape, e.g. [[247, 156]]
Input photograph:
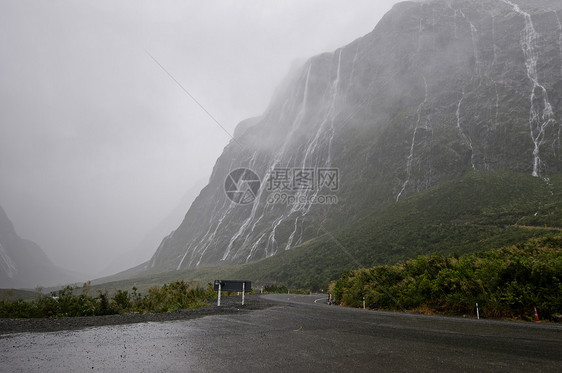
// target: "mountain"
[[438, 89], [23, 264]]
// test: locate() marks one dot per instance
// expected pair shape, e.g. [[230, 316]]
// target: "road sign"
[[229, 285]]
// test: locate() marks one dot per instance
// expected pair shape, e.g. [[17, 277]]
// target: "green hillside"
[[10, 294], [480, 211]]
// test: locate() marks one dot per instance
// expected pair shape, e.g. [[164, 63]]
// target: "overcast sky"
[[98, 144]]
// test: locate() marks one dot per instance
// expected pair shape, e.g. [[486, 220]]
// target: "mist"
[[98, 144]]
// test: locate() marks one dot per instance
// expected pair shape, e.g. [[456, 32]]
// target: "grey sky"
[[97, 144]]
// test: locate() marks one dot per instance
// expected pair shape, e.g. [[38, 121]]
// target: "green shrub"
[[65, 303], [508, 282]]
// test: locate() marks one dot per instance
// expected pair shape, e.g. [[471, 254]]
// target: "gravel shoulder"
[[229, 305]]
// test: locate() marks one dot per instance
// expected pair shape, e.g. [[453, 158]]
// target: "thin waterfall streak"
[[539, 118], [461, 131], [413, 144]]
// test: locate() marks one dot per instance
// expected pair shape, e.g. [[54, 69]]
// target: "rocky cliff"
[[437, 89]]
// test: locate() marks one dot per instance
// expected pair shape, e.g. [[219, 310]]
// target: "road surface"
[[297, 334]]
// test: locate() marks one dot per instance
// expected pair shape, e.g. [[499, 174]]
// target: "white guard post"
[[219, 298], [243, 291], [477, 312]]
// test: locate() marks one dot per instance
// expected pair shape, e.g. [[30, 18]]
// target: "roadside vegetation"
[[71, 302], [507, 283]]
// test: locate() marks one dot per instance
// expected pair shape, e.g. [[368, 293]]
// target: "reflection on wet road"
[[299, 335]]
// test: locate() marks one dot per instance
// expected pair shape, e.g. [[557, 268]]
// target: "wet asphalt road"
[[297, 334]]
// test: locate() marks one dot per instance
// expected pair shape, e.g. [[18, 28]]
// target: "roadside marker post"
[[219, 297], [363, 302], [477, 312]]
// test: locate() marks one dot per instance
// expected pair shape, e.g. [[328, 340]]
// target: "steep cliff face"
[[438, 88]]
